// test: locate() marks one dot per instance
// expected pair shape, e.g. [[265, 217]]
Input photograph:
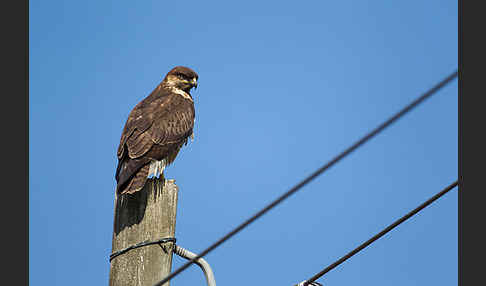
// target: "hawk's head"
[[182, 78]]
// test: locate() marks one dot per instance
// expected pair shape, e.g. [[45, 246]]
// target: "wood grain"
[[147, 215]]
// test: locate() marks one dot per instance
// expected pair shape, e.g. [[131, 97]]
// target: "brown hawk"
[[155, 130]]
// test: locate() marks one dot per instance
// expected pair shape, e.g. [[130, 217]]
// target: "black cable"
[[336, 159], [311, 283], [381, 233], [145, 243]]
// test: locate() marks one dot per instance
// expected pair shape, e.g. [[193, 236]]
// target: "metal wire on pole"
[[318, 172]]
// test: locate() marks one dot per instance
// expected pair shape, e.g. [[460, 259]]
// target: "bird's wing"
[[135, 136], [132, 136], [175, 124], [135, 141]]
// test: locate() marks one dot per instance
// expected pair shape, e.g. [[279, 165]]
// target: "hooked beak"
[[194, 83]]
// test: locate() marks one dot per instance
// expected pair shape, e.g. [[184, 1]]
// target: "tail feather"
[[136, 183], [127, 170]]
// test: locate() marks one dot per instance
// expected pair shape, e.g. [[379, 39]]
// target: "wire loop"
[[141, 244]]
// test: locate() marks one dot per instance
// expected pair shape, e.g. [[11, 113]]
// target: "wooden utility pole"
[[147, 215]]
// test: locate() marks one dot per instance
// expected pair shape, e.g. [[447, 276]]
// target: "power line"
[[319, 171], [381, 233]]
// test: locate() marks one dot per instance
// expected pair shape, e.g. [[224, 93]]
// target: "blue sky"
[[283, 87]]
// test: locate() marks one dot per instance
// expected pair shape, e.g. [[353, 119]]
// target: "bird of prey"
[[155, 130]]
